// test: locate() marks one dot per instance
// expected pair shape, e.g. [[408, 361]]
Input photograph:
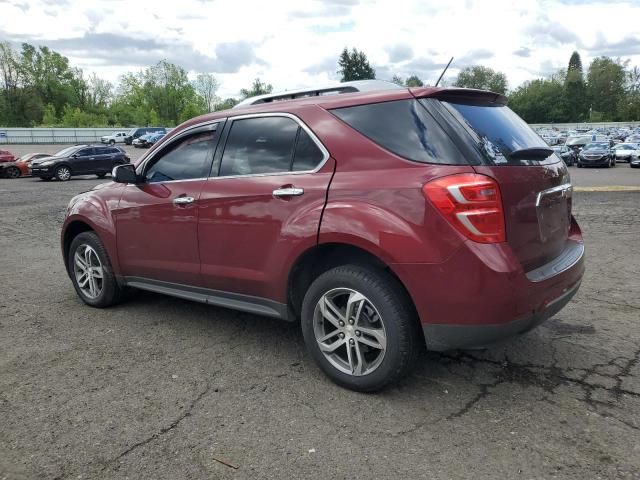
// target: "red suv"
[[380, 220]]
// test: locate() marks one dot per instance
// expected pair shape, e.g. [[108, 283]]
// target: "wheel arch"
[[71, 231], [320, 258]]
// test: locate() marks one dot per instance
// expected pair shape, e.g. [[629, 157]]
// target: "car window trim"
[[222, 144], [208, 126]]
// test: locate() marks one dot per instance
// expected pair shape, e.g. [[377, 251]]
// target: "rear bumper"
[[482, 295], [449, 337]]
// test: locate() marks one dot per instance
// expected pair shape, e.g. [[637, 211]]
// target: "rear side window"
[[498, 132], [308, 155], [189, 158], [259, 145], [405, 128]]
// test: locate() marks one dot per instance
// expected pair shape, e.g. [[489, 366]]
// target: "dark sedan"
[[596, 154], [79, 160]]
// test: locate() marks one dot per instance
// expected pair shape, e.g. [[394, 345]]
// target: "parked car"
[[624, 151], [635, 138], [138, 132], [79, 160], [635, 161], [145, 141], [6, 156], [115, 137], [379, 220], [21, 167], [596, 154], [568, 155]]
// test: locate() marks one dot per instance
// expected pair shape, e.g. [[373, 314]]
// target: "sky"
[[296, 43]]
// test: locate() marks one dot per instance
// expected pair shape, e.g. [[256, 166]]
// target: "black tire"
[[13, 172], [403, 338], [111, 293], [579, 165], [112, 142], [101, 175], [63, 173]]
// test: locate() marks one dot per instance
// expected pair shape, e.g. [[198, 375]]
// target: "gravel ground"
[[162, 388]]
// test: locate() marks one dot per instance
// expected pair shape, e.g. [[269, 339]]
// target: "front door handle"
[[183, 200], [288, 192]]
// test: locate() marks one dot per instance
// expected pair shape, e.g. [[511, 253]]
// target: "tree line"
[[39, 87], [608, 91]]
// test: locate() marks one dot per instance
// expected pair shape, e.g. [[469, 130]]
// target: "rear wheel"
[[359, 327], [63, 173], [13, 172], [91, 272]]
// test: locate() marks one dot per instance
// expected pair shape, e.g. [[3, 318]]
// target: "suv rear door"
[[262, 206]]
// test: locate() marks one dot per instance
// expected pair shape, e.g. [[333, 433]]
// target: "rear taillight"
[[471, 203]]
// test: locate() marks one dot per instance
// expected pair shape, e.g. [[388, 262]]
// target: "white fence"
[[54, 135]]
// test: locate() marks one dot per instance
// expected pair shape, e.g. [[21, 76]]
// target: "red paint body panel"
[[157, 239], [249, 239]]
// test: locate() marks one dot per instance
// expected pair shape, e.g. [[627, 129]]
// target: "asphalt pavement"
[[162, 388]]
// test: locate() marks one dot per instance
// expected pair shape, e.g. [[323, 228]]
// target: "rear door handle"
[[183, 200], [288, 192]]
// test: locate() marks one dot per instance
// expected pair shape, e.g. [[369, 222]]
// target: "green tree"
[[397, 79], [484, 78], [206, 86], [606, 80], [354, 65], [257, 88], [414, 81], [539, 101], [49, 118], [575, 90], [226, 104]]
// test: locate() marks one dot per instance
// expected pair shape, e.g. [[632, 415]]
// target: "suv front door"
[[157, 219], [82, 161], [264, 206]]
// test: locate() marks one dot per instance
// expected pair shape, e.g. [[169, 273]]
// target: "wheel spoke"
[[97, 272], [328, 336], [354, 306], [331, 347], [330, 312], [83, 279], [360, 359], [80, 261], [378, 339]]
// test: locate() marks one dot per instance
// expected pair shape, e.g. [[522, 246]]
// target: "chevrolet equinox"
[[382, 220]]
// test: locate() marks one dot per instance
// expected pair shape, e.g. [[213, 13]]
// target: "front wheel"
[[13, 172], [91, 272], [63, 173], [360, 328], [112, 142]]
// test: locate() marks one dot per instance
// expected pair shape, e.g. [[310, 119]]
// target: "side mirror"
[[124, 173], [75, 155]]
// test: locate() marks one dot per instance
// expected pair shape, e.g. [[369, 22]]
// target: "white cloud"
[[291, 44]]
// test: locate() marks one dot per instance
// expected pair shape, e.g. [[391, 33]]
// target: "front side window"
[[85, 152], [259, 145], [186, 159]]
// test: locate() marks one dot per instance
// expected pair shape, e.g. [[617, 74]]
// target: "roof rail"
[[345, 87]]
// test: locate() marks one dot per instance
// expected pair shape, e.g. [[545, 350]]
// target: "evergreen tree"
[[354, 65], [575, 90]]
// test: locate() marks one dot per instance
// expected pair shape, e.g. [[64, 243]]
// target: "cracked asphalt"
[[161, 388]]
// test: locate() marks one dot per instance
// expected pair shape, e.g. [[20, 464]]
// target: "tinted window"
[[85, 152], [187, 159], [308, 156], [259, 145], [111, 151], [405, 128], [597, 146], [497, 130]]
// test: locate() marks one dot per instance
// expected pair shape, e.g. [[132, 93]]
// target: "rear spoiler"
[[460, 94]]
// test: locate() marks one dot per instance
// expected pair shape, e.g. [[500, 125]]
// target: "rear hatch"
[[533, 180]]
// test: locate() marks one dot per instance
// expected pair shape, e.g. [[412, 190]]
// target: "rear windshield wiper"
[[533, 153]]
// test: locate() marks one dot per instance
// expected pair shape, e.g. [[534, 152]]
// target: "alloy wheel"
[[63, 173], [13, 172], [349, 331], [88, 271]]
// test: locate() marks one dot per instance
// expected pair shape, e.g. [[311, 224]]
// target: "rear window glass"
[[405, 128], [308, 156], [498, 132]]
